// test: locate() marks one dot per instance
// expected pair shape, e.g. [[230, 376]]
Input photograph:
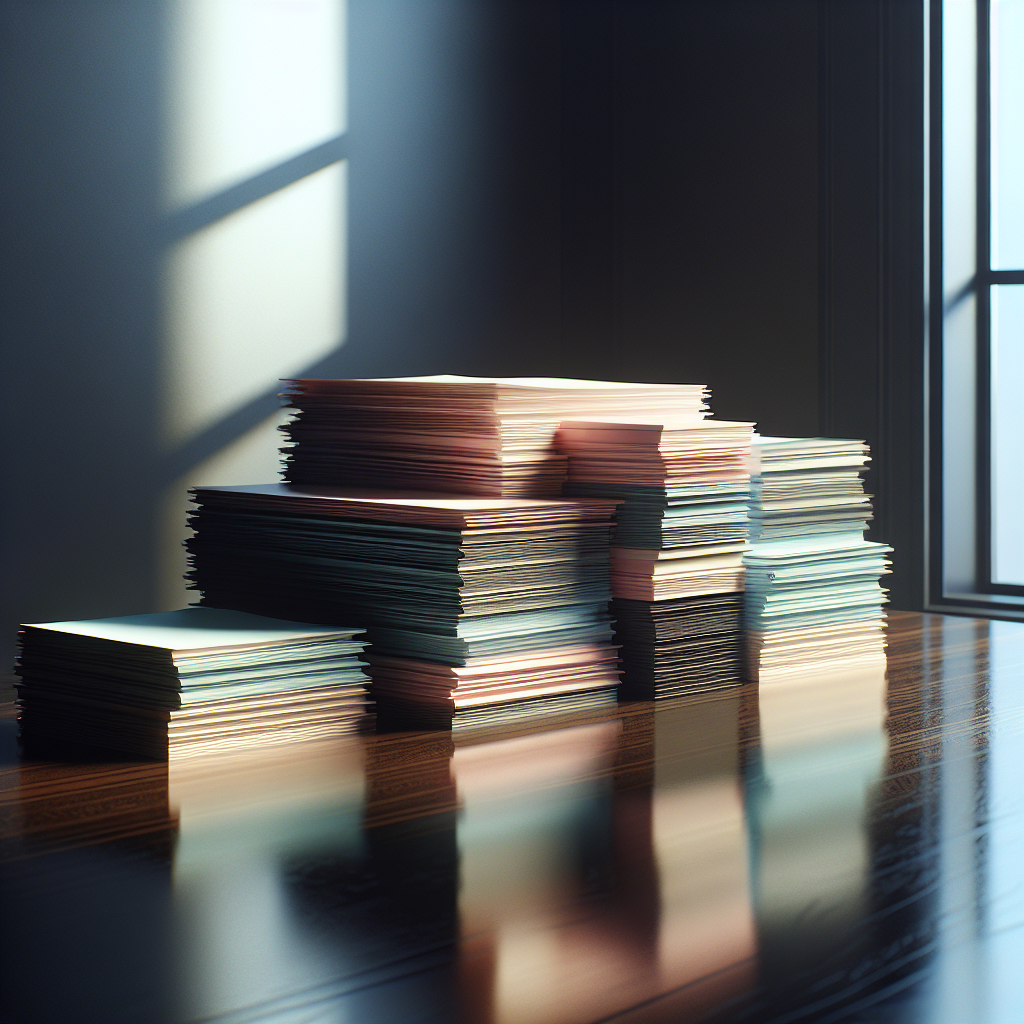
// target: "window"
[[1001, 281], [977, 302]]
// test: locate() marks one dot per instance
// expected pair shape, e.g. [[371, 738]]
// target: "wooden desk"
[[844, 850]]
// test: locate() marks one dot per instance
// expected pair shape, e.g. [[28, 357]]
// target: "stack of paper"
[[176, 683], [465, 435], [808, 487], [472, 605], [813, 593], [679, 646], [677, 554]]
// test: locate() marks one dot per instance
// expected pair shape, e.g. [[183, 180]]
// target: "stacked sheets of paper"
[[465, 435], [491, 693], [679, 646], [813, 593], [677, 552], [470, 604], [183, 682], [808, 487]]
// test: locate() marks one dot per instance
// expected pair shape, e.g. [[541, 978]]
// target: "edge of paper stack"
[[813, 593], [188, 681]]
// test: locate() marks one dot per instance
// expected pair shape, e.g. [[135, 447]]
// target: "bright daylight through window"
[[1004, 274]]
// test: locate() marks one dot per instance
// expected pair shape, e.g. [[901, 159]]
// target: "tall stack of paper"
[[813, 593], [464, 435], [197, 679], [677, 554], [476, 608]]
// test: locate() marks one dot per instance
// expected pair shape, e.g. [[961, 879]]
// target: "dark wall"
[[80, 161], [690, 204], [453, 189], [872, 261], [742, 205]]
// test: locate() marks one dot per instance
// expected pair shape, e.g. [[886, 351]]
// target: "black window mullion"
[[934, 426], [983, 237], [991, 277], [988, 598]]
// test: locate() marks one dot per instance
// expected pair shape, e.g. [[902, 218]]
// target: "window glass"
[[1008, 434], [1007, 126]]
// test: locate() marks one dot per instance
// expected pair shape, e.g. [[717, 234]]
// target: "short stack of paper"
[[813, 593], [463, 435], [677, 555], [476, 608], [184, 682], [808, 487]]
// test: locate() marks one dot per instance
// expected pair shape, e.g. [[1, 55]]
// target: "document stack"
[[677, 552], [477, 609], [463, 435], [813, 593], [190, 681]]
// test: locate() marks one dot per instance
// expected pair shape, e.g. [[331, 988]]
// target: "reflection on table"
[[838, 846], [812, 782], [581, 898]]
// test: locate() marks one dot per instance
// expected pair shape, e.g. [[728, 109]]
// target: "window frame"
[[959, 546], [986, 278]]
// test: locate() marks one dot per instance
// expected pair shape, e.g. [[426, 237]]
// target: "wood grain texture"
[[838, 848]]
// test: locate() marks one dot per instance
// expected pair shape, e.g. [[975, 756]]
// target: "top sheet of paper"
[[194, 629], [550, 383], [414, 507]]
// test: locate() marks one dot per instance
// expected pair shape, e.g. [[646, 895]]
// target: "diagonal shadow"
[[209, 211], [216, 207], [958, 297], [230, 428]]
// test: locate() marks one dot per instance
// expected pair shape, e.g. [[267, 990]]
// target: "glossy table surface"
[[845, 848]]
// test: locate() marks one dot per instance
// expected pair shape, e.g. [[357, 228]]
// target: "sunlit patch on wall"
[[254, 297], [250, 84], [255, 265]]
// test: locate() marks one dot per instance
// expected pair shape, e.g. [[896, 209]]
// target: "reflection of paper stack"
[[700, 842], [580, 900], [677, 555], [243, 931], [822, 747], [277, 801], [470, 603], [123, 802], [526, 802], [469, 435], [183, 682], [533, 834], [813, 593]]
